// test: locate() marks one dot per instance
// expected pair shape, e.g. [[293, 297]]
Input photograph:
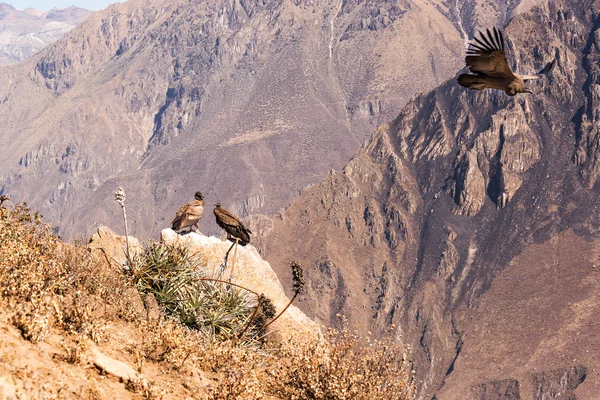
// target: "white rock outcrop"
[[250, 271]]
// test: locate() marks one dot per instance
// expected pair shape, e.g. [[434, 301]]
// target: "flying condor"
[[489, 69]]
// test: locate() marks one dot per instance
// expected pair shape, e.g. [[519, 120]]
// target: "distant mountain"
[[249, 102], [25, 32], [470, 223]]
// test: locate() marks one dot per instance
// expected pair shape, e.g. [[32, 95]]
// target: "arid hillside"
[[24, 33], [470, 222], [171, 321], [249, 102]]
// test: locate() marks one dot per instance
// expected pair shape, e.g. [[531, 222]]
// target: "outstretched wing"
[[485, 56], [544, 71]]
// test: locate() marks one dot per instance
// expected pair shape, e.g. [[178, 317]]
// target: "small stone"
[[113, 367]]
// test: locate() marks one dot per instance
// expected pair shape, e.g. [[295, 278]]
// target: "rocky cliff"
[[248, 270], [24, 33], [249, 102], [470, 222]]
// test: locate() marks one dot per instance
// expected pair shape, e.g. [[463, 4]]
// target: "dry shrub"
[[94, 277], [341, 366], [146, 390], [238, 383], [338, 366], [48, 283], [76, 352], [168, 341], [32, 324]]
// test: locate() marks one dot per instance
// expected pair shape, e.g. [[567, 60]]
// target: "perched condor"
[[188, 215], [232, 225]]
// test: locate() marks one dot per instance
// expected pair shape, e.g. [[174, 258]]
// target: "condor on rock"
[[188, 216], [232, 224]]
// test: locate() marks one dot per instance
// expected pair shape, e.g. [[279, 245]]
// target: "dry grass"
[[343, 367], [75, 353], [52, 286]]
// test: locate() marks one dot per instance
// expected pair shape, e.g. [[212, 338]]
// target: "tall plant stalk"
[[298, 283], [120, 198]]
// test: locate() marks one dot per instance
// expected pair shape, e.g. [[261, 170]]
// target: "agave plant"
[[183, 286]]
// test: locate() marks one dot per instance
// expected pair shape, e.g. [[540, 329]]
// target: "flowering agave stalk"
[[120, 198], [263, 305], [298, 283]]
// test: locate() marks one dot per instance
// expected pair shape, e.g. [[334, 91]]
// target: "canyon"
[[24, 33], [470, 224]]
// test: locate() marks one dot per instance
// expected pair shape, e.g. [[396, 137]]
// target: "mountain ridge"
[[427, 218], [26, 32], [165, 88]]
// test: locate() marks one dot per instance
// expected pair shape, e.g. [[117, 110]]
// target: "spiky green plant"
[[183, 286]]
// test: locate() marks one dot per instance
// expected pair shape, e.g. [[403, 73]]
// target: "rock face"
[[249, 269], [112, 247], [249, 102], [470, 222], [24, 33]]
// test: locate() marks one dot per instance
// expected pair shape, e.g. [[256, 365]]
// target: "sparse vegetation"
[[186, 289], [53, 287], [47, 283], [343, 367], [297, 284]]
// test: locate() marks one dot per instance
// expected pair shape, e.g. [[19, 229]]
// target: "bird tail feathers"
[[175, 224], [245, 235]]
